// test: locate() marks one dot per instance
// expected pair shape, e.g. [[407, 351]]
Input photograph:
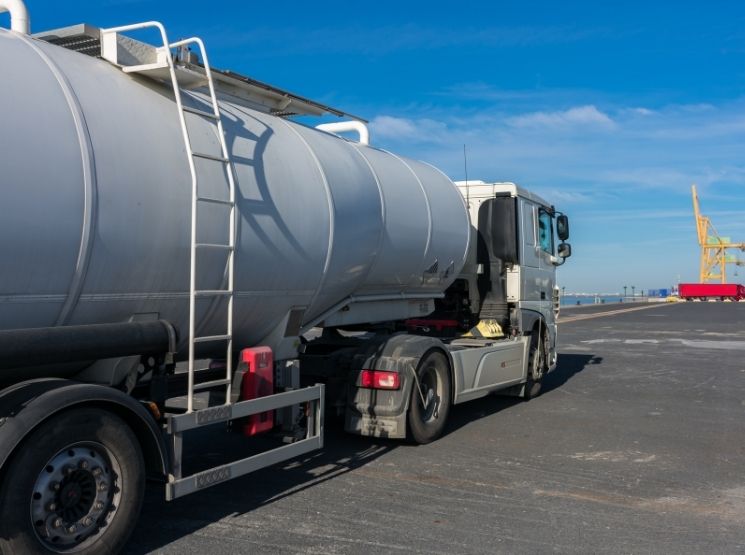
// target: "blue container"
[[658, 293]]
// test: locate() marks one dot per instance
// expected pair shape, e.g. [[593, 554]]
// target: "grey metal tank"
[[95, 209]]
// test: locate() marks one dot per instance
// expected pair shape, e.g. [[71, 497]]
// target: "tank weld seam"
[[429, 210], [381, 234], [468, 213], [332, 211], [90, 199]]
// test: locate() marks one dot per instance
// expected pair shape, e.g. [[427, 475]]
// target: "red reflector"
[[258, 381], [379, 379]]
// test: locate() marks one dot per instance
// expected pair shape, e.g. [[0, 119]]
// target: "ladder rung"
[[199, 112], [213, 383], [216, 201], [207, 338], [210, 157], [213, 246], [211, 292]]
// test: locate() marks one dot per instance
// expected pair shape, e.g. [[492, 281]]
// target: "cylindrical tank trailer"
[[95, 211], [99, 177]]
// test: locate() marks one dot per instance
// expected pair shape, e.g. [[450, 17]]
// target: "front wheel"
[[536, 367], [75, 486], [430, 398]]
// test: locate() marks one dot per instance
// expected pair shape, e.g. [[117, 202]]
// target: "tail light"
[[379, 379]]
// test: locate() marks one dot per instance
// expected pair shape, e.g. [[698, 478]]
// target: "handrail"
[[19, 18], [345, 126]]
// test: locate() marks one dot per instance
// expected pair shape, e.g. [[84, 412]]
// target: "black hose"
[[41, 346]]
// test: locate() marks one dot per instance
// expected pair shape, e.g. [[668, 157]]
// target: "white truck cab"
[[493, 330], [526, 233]]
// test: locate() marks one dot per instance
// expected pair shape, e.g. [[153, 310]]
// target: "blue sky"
[[609, 110]]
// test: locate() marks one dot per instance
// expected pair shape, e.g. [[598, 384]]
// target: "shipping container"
[[707, 291]]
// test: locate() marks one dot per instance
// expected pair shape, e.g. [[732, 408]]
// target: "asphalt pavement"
[[635, 446]]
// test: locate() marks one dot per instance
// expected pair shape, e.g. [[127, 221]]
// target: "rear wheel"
[[430, 398], [75, 486]]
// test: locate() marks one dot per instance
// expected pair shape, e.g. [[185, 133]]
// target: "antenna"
[[465, 169]]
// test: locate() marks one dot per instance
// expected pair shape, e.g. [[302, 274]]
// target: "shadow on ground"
[[568, 366], [162, 523]]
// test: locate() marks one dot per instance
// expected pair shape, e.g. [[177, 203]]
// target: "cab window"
[[545, 231], [529, 224]]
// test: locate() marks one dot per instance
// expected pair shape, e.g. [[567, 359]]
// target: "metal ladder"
[[176, 425], [164, 68]]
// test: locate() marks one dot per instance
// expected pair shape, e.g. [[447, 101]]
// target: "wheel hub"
[[537, 366], [428, 396], [75, 495]]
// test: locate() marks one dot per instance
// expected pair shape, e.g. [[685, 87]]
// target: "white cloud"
[[641, 111], [564, 196], [641, 214], [697, 108], [627, 192], [419, 130], [579, 116], [390, 127], [570, 157]]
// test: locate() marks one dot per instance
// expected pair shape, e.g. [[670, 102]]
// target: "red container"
[[732, 291], [258, 381]]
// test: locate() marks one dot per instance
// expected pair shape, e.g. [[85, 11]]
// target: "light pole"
[[633, 288], [624, 291]]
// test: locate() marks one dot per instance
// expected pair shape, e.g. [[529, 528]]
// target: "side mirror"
[[565, 250], [562, 228]]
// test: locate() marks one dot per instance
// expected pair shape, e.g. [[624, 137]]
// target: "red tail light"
[[258, 381], [379, 379]]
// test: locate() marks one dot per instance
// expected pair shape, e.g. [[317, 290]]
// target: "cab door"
[[538, 270], [546, 245], [545, 253], [531, 259]]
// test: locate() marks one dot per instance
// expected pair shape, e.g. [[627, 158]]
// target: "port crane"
[[714, 257]]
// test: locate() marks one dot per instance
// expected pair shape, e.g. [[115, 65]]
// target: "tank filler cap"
[[19, 19]]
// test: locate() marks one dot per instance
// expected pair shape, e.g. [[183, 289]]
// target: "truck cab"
[[512, 270], [493, 330]]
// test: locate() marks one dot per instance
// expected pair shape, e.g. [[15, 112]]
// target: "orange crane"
[[714, 257]]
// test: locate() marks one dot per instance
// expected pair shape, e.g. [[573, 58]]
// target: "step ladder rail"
[[166, 49], [229, 170], [179, 485]]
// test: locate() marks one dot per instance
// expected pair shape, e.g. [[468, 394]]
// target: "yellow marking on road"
[[608, 313]]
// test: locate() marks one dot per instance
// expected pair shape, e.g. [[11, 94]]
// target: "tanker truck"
[[179, 253]]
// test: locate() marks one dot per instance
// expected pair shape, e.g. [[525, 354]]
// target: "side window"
[[529, 223], [545, 231]]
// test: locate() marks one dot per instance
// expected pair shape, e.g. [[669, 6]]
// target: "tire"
[[79, 478], [426, 420], [536, 367]]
